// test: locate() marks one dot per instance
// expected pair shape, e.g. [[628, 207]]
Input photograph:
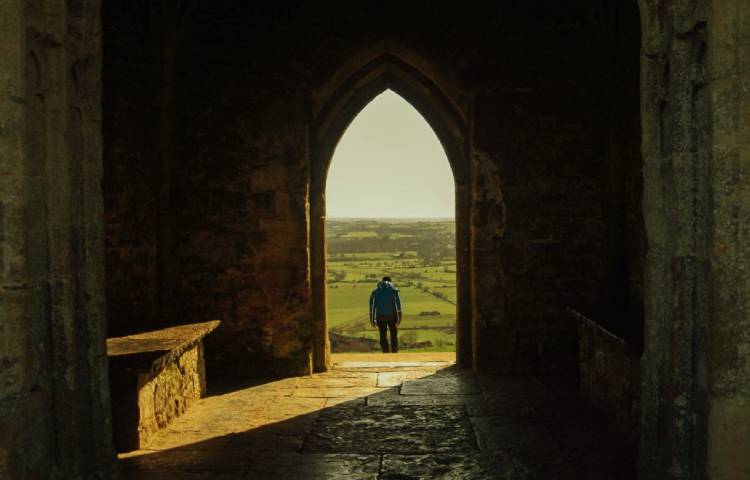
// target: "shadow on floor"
[[384, 421]]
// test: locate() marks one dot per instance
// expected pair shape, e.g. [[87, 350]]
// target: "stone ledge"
[[151, 352], [154, 377]]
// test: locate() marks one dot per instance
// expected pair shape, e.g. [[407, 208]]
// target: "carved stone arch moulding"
[[335, 105]]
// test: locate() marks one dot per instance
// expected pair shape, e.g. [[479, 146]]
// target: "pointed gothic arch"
[[449, 122]]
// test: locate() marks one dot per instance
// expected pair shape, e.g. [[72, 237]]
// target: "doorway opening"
[[391, 212], [445, 111]]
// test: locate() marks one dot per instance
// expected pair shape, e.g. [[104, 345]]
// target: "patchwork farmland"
[[419, 255]]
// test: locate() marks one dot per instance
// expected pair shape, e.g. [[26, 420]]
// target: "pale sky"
[[389, 163]]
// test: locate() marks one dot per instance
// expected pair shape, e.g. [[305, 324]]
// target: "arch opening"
[[391, 212], [389, 73]]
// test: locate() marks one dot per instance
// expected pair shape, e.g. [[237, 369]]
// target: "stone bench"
[[154, 377]]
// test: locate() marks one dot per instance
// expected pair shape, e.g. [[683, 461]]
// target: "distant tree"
[[443, 342], [409, 336], [338, 275]]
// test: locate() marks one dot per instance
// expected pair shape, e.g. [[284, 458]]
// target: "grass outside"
[[426, 280]]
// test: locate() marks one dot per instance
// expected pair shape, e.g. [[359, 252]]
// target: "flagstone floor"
[[395, 416]]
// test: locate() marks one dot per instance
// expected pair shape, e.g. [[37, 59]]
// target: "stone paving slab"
[[345, 401], [419, 423], [297, 404], [380, 366], [516, 409], [396, 379], [510, 385], [394, 417], [235, 474], [393, 397], [189, 440], [446, 385], [207, 427], [444, 357], [565, 467], [336, 392], [392, 429], [211, 460], [258, 387], [593, 449], [289, 413], [229, 420], [365, 440], [263, 441], [469, 466], [577, 437], [350, 373], [315, 466], [297, 426], [254, 403], [337, 382], [494, 435]]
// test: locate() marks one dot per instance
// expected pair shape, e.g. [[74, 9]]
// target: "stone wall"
[[243, 196], [676, 149], [728, 67], [147, 402], [171, 393], [54, 400], [130, 171], [615, 26], [557, 182], [548, 207], [609, 380], [696, 381]]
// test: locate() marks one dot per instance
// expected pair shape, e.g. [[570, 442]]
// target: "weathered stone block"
[[154, 378]]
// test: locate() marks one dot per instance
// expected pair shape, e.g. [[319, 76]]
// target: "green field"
[[420, 258]]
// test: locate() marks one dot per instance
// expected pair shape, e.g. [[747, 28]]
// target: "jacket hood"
[[385, 285]]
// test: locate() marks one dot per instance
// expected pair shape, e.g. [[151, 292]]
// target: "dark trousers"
[[385, 323]]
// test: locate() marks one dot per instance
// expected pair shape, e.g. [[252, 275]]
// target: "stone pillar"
[[321, 342], [675, 209], [54, 399], [695, 387], [728, 68], [464, 325], [493, 333]]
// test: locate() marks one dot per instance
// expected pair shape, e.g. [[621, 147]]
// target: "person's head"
[[386, 278]]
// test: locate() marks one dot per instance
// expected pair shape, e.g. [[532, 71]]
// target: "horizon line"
[[390, 218]]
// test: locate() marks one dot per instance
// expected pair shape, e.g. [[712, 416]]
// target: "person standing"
[[385, 313]]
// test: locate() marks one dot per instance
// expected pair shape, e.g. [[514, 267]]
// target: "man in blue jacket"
[[385, 312]]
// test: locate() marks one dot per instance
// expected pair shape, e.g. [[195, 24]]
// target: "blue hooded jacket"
[[384, 300]]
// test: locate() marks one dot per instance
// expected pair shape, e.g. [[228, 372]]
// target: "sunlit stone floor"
[[404, 417]]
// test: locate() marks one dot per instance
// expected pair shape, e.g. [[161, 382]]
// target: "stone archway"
[[350, 93], [695, 380]]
